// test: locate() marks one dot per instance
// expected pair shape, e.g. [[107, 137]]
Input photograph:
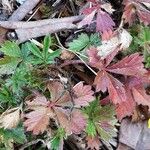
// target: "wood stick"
[[25, 34], [25, 8], [31, 24]]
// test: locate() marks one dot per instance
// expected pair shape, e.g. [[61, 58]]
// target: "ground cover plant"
[[78, 83]]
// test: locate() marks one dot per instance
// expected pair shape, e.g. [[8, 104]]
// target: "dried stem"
[[29, 33], [71, 62], [32, 24], [21, 12]]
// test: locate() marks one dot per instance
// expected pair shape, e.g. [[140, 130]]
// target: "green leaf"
[[17, 80], [25, 51], [34, 50], [90, 128], [95, 39], [47, 43], [10, 49], [101, 120], [80, 43], [8, 65], [6, 96], [57, 141], [16, 134], [53, 55]]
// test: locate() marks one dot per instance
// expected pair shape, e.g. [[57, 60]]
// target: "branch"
[[21, 12], [31, 24], [71, 62], [25, 34]]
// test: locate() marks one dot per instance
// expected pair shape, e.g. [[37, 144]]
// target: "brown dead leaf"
[[10, 118], [121, 38], [66, 55]]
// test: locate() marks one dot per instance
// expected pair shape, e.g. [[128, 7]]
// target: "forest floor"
[[74, 74]]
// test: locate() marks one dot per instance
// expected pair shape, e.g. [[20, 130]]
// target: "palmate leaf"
[[80, 43], [44, 109], [136, 8], [42, 56], [57, 141], [104, 23], [83, 94], [10, 49], [8, 64], [131, 66], [101, 120], [12, 56], [84, 41]]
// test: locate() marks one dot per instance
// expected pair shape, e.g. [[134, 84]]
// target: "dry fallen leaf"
[[122, 38], [10, 118], [108, 8]]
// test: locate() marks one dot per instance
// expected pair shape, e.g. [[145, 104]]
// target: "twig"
[[31, 143], [31, 24], [73, 7], [33, 14], [77, 54], [29, 33], [21, 12], [71, 62]]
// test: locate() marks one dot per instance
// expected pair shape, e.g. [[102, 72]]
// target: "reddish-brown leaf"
[[140, 96], [135, 8], [93, 143], [127, 107], [116, 90], [38, 120], [101, 81], [83, 94], [78, 122], [104, 22], [42, 109], [63, 119], [131, 65], [87, 20]]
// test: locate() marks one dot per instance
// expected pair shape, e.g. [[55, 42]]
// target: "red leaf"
[[94, 59], [78, 122], [127, 107], [116, 90], [93, 143], [42, 109], [104, 81], [131, 65], [129, 12], [83, 94], [136, 8], [38, 120], [63, 119], [101, 81], [104, 22], [140, 96]]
